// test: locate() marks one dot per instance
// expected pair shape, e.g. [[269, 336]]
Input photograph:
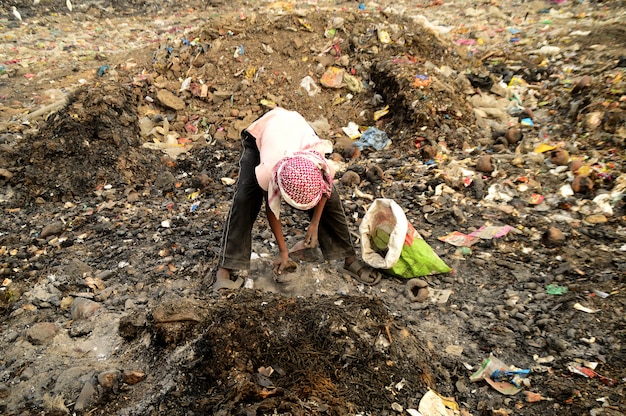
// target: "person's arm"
[[277, 229], [310, 239]]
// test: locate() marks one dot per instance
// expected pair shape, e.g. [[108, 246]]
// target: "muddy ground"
[[119, 140]]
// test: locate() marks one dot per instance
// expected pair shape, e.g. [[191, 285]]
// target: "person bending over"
[[282, 159]]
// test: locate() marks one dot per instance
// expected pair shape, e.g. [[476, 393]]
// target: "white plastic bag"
[[389, 242], [309, 86], [387, 215]]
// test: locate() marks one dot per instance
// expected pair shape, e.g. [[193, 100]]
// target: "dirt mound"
[[92, 142], [259, 353], [271, 55]]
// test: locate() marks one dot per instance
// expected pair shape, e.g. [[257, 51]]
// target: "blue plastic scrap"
[[512, 376], [373, 137], [102, 70], [527, 122]]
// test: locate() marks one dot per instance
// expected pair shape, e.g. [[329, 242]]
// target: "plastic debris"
[[485, 232], [421, 81], [512, 376], [353, 83], [556, 289], [504, 375], [542, 148], [459, 239], [527, 122], [589, 373], [532, 397], [332, 78], [16, 13], [102, 70], [432, 404], [239, 51], [488, 232], [383, 36], [601, 294], [352, 130], [381, 113], [373, 137], [582, 308], [309, 85]]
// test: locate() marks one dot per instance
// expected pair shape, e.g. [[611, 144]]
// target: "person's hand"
[[310, 239], [280, 262]]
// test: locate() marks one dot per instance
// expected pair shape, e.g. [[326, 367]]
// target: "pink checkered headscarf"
[[300, 179]]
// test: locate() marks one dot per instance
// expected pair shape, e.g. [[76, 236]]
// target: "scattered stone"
[[375, 174], [351, 152], [350, 178], [221, 95], [428, 152], [582, 184], [5, 173], [169, 100], [11, 336], [55, 405], [559, 157], [483, 164], [132, 377], [581, 84], [558, 344], [41, 333], [131, 325], [165, 181], [86, 397], [553, 237], [80, 328], [575, 164], [595, 219], [358, 169], [5, 391], [77, 270], [83, 308], [459, 215], [175, 321], [109, 380], [513, 134], [27, 374], [182, 311], [201, 181], [54, 228]]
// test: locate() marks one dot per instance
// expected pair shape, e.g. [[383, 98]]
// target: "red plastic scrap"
[[588, 372]]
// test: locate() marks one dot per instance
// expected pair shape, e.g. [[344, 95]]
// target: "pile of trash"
[[480, 161]]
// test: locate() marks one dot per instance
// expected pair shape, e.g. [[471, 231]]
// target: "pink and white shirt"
[[278, 134]]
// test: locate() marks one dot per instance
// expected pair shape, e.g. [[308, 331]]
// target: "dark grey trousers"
[[333, 233]]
